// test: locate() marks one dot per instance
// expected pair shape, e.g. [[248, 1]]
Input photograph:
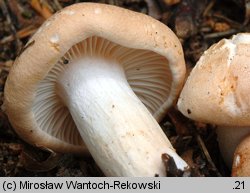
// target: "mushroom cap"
[[137, 36], [217, 90], [241, 165]]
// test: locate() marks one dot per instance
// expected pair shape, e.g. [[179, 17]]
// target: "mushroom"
[[217, 92], [97, 78]]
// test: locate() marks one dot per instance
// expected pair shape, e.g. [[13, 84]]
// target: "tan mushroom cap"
[[82, 24], [218, 91], [241, 165]]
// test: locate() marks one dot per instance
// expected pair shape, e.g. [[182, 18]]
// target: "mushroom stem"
[[229, 137], [120, 133]]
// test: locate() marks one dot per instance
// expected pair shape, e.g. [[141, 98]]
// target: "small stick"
[[42, 8], [208, 8], [206, 153], [58, 5], [23, 33], [12, 27], [231, 22], [220, 34]]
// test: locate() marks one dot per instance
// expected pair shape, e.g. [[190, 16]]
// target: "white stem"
[[229, 138], [120, 133]]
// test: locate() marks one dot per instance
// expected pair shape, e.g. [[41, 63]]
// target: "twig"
[[58, 5], [221, 34], [12, 27], [42, 8], [207, 155], [208, 8], [23, 33], [231, 22]]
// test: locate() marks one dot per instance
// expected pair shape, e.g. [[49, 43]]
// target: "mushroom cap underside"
[[70, 32]]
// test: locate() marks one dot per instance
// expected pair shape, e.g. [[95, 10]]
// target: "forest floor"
[[198, 24]]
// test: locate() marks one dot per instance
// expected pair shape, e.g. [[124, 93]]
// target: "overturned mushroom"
[[92, 76], [217, 92]]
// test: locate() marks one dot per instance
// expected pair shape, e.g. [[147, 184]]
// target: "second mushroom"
[[217, 92], [100, 77]]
